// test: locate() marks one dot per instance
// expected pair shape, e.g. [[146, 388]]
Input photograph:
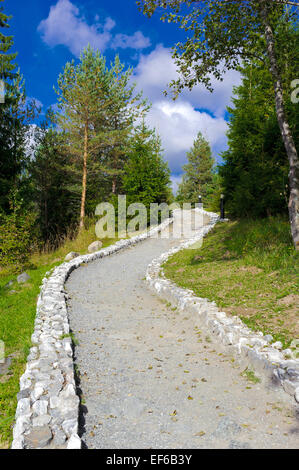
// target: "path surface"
[[150, 380]]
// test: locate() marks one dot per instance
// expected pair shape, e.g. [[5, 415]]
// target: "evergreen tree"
[[255, 169], [147, 176], [7, 66], [222, 32], [84, 100], [124, 109], [8, 168], [15, 117], [99, 108], [56, 202], [198, 178]]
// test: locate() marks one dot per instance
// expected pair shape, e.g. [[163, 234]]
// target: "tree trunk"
[[84, 178], [287, 137]]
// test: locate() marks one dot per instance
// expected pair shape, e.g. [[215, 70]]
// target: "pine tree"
[[15, 117], [84, 98], [147, 176], [198, 177], [52, 184], [255, 169], [7, 66], [125, 108]]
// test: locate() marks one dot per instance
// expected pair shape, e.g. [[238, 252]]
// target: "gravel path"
[[151, 379]]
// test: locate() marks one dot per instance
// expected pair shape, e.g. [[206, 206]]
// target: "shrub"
[[16, 238]]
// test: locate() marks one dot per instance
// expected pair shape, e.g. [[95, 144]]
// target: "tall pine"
[[198, 177], [15, 118], [84, 101], [125, 108]]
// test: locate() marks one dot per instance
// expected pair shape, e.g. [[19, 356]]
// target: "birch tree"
[[221, 33]]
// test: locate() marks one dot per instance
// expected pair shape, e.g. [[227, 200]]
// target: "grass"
[[250, 376], [17, 315], [250, 269]]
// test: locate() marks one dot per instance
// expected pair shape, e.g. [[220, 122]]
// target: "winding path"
[[150, 379]]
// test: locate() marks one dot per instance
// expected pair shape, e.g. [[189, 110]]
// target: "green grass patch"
[[250, 269], [250, 376], [17, 316]]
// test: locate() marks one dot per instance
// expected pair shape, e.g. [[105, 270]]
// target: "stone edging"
[[48, 406], [252, 349]]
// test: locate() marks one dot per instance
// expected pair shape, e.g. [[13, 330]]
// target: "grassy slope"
[[250, 269], [17, 315]]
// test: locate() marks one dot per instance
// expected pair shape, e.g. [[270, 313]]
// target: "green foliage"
[[146, 175], [124, 109], [99, 108], [7, 66], [15, 117], [16, 235], [255, 169], [198, 178], [219, 33], [52, 186]]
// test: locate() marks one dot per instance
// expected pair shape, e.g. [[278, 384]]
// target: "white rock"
[[37, 392], [68, 392], [41, 420], [297, 394], [54, 402], [18, 443], [290, 387], [70, 427], [95, 246], [40, 407], [71, 255], [23, 407], [23, 278], [21, 425], [74, 442]]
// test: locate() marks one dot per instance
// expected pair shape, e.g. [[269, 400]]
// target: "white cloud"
[[66, 26], [136, 41], [175, 181], [178, 122], [157, 69]]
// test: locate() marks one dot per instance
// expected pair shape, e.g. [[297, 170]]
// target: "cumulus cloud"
[[178, 122], [66, 26], [157, 69]]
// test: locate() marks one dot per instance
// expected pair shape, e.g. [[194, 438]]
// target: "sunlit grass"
[[250, 269], [17, 315]]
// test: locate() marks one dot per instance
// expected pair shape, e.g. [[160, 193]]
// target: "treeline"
[[95, 146]]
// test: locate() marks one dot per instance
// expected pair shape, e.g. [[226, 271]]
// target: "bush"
[[16, 238]]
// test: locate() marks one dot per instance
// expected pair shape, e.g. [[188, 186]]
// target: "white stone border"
[[253, 349], [48, 406]]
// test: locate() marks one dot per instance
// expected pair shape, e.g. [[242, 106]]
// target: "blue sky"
[[48, 33]]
